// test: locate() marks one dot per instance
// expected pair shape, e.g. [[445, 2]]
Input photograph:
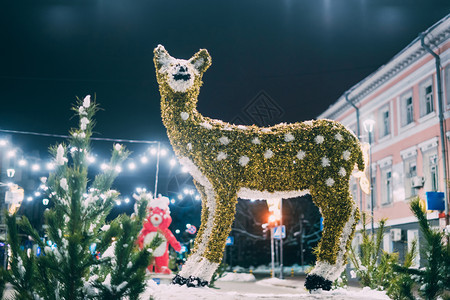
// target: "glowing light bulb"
[[91, 159], [50, 166], [104, 166], [163, 152], [127, 200], [3, 142], [172, 162], [180, 196], [144, 159], [22, 162], [37, 194], [29, 198], [11, 153], [153, 151], [35, 167], [131, 166]]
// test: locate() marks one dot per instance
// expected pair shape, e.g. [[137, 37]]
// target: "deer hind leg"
[[340, 215], [201, 241], [212, 256]]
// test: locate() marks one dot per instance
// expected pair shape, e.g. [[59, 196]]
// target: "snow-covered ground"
[[272, 288]]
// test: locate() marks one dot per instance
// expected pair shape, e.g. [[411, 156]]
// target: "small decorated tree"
[[68, 269]]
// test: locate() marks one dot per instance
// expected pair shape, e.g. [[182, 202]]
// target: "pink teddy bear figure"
[[157, 223]]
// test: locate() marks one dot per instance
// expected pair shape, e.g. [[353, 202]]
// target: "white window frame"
[[406, 111], [411, 235], [427, 100], [387, 182], [385, 123]]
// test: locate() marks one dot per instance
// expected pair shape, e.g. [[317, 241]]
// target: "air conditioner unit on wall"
[[417, 181], [396, 234]]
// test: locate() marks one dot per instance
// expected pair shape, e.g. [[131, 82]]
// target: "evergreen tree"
[[77, 220], [434, 278]]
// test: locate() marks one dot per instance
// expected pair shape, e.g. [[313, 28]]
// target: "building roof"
[[433, 36]]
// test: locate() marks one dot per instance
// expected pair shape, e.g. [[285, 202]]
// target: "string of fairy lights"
[[18, 160]]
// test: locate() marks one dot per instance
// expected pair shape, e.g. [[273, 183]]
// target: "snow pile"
[[240, 277]]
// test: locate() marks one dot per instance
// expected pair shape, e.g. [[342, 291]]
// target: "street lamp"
[[368, 127]]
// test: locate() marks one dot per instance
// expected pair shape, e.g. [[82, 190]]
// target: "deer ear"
[[161, 57], [201, 60]]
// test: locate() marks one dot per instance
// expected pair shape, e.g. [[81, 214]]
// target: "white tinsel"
[[60, 159], [308, 123], [243, 160], [221, 156], [256, 141], [268, 154], [265, 130], [325, 162], [329, 182], [184, 115], [249, 194], [206, 125], [87, 101], [319, 139], [63, 184], [288, 137], [346, 155], [342, 172], [224, 140], [242, 127], [83, 122], [301, 154]]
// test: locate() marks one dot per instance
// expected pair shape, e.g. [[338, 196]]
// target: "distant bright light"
[[118, 202], [131, 166], [29, 198], [127, 200], [272, 218], [35, 167], [138, 189], [3, 142], [22, 162], [37, 194], [91, 159], [197, 197], [186, 191], [144, 159], [153, 151], [104, 166], [118, 169], [188, 226], [172, 201], [45, 201], [163, 152], [177, 231], [173, 162], [191, 192], [50, 166], [11, 153], [180, 196], [184, 170]]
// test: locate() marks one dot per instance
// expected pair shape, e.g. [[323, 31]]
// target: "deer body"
[[229, 161]]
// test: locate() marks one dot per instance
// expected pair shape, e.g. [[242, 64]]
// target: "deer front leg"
[[201, 241], [340, 216], [212, 256]]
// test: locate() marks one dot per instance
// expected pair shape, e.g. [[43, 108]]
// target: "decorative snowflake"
[[243, 160], [221, 156], [342, 172], [224, 140], [338, 137], [319, 139], [268, 154], [301, 154], [325, 162], [256, 141], [329, 182], [346, 155], [184, 115], [288, 137]]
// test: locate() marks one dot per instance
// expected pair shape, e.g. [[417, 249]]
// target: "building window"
[[411, 236], [407, 109], [386, 197], [385, 122], [426, 98], [374, 191], [410, 173], [447, 85], [434, 173]]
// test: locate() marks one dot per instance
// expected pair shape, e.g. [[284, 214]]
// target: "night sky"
[[302, 54]]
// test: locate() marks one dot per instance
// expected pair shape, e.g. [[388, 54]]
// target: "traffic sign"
[[279, 232]]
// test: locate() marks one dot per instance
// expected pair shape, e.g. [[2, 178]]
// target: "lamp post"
[[368, 127]]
